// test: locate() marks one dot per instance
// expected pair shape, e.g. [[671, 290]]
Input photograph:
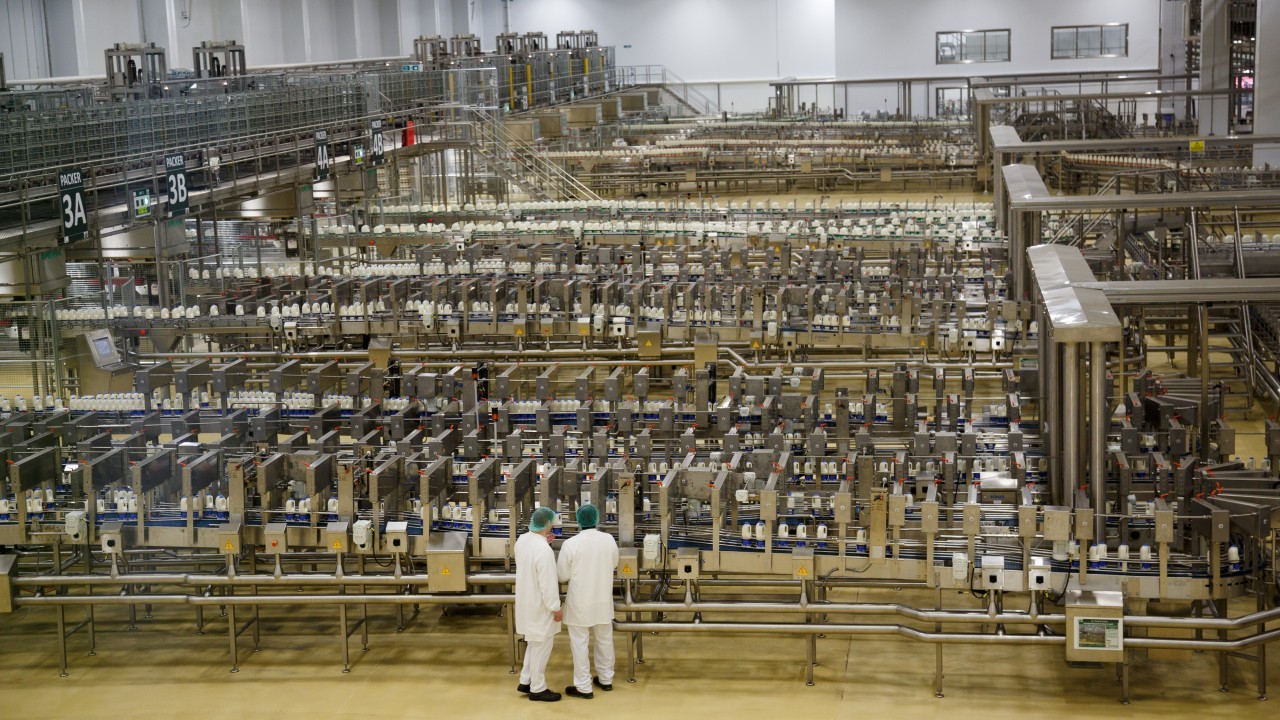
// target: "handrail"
[[677, 86], [1107, 187], [704, 105], [554, 178]]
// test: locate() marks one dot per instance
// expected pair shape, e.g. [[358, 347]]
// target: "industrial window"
[[973, 46], [1091, 41]]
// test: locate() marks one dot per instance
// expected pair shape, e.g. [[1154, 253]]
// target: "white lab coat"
[[537, 589], [587, 562]]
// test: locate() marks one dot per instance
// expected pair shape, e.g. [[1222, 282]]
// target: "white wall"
[[877, 39], [1266, 97], [22, 39], [700, 40]]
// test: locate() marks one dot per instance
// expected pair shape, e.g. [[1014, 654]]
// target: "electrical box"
[[74, 525], [1057, 524], [447, 562], [1039, 574], [802, 564], [274, 541], [112, 542], [993, 572], [335, 537], [688, 563], [1095, 626], [397, 538], [629, 563], [229, 538]]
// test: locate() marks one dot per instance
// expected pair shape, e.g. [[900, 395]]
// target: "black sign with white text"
[[175, 168], [377, 146], [322, 155], [75, 221]]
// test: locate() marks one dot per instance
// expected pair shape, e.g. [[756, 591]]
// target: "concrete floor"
[[458, 666]]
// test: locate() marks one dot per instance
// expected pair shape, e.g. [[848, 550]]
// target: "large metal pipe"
[[1069, 428], [172, 599], [942, 616], [1099, 424], [840, 629]]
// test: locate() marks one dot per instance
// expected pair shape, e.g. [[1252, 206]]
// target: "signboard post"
[[75, 221]]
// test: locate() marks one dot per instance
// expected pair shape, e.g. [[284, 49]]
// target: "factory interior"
[[921, 357]]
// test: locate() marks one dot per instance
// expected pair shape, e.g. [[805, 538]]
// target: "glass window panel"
[[1064, 42], [948, 47], [1115, 40], [974, 47], [997, 46], [1089, 42]]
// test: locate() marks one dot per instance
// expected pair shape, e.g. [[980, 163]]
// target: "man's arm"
[[548, 584], [565, 564]]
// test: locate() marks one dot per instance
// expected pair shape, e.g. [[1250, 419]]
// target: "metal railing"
[[676, 86], [522, 163]]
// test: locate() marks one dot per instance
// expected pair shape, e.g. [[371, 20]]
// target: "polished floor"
[[457, 666]]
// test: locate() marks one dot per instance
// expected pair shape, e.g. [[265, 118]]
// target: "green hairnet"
[[588, 516], [542, 519]]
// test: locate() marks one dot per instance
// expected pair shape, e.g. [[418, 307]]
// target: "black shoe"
[[602, 686], [575, 692], [523, 688], [545, 696]]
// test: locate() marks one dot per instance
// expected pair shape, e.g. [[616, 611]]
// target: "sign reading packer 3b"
[[176, 198], [75, 221]]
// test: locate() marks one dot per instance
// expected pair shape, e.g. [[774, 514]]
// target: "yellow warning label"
[[445, 570], [648, 343], [337, 544], [802, 571], [229, 546], [519, 331], [582, 331], [626, 569], [1196, 146]]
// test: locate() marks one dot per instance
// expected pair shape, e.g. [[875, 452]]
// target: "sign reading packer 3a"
[[75, 221], [176, 198]]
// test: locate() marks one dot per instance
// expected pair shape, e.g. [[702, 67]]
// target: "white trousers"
[[580, 640], [534, 672]]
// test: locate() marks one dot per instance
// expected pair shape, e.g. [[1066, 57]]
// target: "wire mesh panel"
[[29, 353]]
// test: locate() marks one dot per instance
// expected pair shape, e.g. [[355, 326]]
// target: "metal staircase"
[[522, 164], [1231, 362]]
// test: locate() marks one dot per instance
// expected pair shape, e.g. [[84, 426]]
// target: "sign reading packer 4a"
[[322, 155], [377, 143], [75, 221], [176, 199]]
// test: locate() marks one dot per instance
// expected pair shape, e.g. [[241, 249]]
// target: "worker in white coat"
[[587, 561], [538, 612]]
